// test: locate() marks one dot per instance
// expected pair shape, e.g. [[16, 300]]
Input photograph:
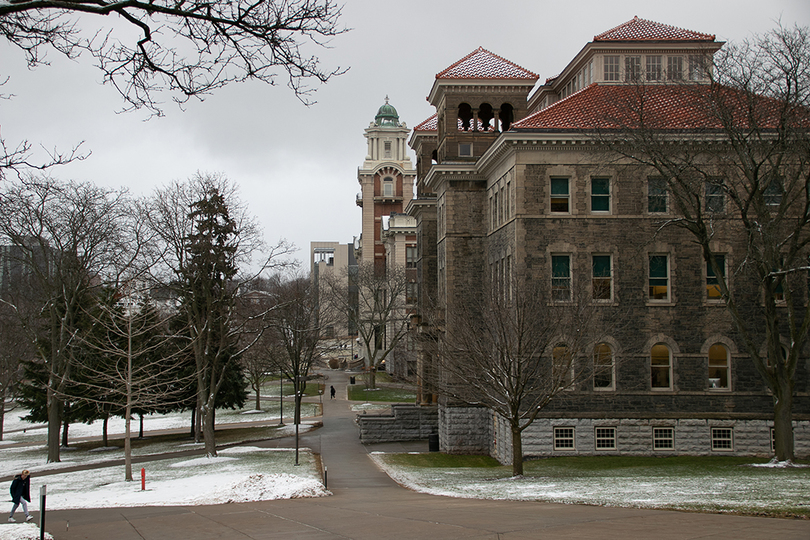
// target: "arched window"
[[507, 116], [562, 366], [660, 367], [465, 115], [603, 372], [485, 116], [718, 367]]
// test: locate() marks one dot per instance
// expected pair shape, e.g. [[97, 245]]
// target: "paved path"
[[368, 505]]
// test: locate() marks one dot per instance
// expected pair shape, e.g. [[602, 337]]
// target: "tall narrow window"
[[562, 366], [675, 68], [653, 68], [715, 198], [772, 194], [388, 187], [560, 196], [656, 195], [611, 70], [712, 283], [659, 278], [602, 281], [603, 372], [718, 367], [387, 150], [632, 68], [697, 68], [410, 256], [561, 278], [600, 195], [660, 367]]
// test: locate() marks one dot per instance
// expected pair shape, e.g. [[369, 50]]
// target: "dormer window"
[[653, 71], [632, 68], [675, 68], [611, 72]]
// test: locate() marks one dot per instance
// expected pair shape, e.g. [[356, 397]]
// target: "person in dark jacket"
[[21, 494]]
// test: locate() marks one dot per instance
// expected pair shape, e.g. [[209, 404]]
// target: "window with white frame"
[[663, 438], [561, 278], [600, 195], [722, 439], [611, 68], [712, 282], [411, 254], [632, 68], [564, 438], [675, 68], [653, 67], [387, 149], [388, 186], [605, 438], [602, 280], [603, 367], [656, 195], [660, 367], [658, 278], [718, 367], [560, 195], [697, 67]]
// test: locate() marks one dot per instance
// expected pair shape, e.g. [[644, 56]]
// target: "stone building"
[[513, 184]]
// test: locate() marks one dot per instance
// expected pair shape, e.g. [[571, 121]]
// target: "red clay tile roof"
[[431, 124], [644, 30], [482, 64], [669, 107]]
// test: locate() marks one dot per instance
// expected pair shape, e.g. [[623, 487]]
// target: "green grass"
[[359, 392], [437, 460]]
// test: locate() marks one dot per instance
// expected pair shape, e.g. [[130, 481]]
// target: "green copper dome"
[[387, 116]]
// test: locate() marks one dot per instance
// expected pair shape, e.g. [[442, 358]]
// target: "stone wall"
[[634, 437], [465, 430], [404, 423]]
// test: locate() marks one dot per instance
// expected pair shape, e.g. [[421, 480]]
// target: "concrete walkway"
[[368, 505]]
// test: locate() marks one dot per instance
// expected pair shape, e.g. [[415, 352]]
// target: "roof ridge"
[[528, 74], [422, 126], [675, 32]]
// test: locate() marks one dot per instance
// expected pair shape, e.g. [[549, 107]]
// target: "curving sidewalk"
[[366, 504]]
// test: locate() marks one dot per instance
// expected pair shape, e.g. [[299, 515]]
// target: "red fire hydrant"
[[143, 479]]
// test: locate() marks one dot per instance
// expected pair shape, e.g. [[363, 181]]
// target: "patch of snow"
[[21, 531]]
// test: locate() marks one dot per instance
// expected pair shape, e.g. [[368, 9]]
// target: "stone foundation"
[[404, 423]]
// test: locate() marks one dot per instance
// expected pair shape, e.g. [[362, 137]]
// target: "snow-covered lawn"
[[772, 490]]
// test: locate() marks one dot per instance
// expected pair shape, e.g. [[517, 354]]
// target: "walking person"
[[21, 494], [331, 392]]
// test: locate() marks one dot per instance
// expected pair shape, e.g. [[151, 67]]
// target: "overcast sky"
[[296, 166]]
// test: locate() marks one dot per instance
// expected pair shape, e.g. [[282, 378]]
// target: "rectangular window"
[[656, 195], [663, 438], [712, 285], [388, 149], [561, 278], [560, 196], [410, 256], [675, 68], [659, 278], [772, 194], [600, 195], [605, 438], [563, 438], [715, 198], [611, 72], [465, 150], [411, 291], [602, 281], [697, 67], [722, 439], [603, 367], [653, 68], [388, 189], [632, 68]]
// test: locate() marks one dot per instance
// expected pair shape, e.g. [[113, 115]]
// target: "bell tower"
[[386, 180]]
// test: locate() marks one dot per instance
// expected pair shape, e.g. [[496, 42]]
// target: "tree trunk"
[[371, 378], [193, 429], [208, 431], [2, 412], [198, 421], [517, 451], [140, 427], [783, 420], [104, 431], [54, 425], [127, 442], [258, 397], [65, 434]]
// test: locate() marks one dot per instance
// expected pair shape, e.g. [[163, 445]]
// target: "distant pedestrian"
[[331, 392], [21, 493]]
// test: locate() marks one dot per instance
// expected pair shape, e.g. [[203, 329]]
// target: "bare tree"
[[380, 314], [71, 239], [737, 173], [185, 48], [209, 239], [513, 350], [295, 327]]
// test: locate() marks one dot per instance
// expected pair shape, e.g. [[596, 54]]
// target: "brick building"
[[514, 184]]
